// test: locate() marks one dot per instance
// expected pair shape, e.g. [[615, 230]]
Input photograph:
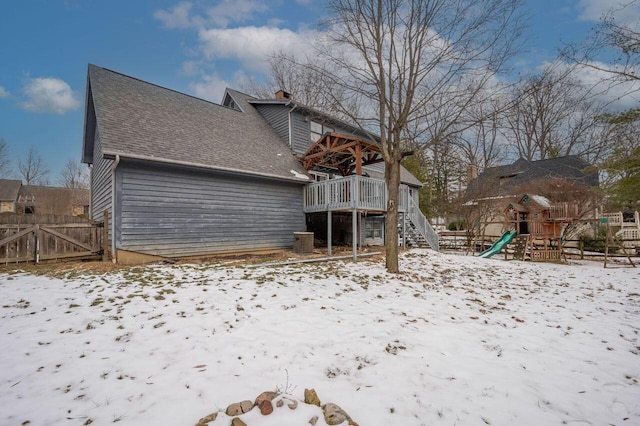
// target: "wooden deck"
[[348, 193], [363, 194]]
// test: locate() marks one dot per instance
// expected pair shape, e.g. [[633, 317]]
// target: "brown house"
[[9, 195], [32, 199]]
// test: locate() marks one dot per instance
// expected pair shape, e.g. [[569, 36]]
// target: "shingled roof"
[[9, 189], [505, 178], [140, 120]]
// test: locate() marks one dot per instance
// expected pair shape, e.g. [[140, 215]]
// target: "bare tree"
[[483, 144], [310, 85], [74, 175], [32, 168], [405, 59], [5, 162], [620, 37], [553, 115], [446, 176]]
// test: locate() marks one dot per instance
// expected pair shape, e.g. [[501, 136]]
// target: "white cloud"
[[221, 15], [593, 10], [252, 45], [228, 11], [4, 93], [178, 17], [210, 88], [49, 95], [190, 68], [618, 95]]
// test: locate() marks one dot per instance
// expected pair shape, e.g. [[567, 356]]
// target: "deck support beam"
[[329, 232], [354, 232]]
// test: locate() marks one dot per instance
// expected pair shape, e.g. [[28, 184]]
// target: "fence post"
[[105, 237], [581, 250], [36, 244], [606, 246]]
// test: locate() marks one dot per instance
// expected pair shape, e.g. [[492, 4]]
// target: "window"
[[373, 229], [318, 176], [317, 130]]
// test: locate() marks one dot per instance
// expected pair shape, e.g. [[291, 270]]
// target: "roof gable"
[[140, 120], [9, 189]]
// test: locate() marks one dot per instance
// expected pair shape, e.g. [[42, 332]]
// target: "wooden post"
[[36, 244], [624, 250], [354, 232], [354, 217], [581, 250], [505, 253], [606, 246], [329, 232], [105, 237]]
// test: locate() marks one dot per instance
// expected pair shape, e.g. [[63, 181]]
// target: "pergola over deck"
[[346, 153], [354, 192]]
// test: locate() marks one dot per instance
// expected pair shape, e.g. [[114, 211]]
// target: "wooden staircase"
[[417, 229]]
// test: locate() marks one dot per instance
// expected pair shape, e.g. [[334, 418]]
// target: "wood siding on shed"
[[100, 183], [178, 212]]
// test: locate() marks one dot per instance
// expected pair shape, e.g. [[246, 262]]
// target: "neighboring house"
[[48, 200], [503, 180], [563, 187], [9, 195], [181, 176], [32, 199]]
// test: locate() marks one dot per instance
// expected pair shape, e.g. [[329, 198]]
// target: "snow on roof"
[[541, 201]]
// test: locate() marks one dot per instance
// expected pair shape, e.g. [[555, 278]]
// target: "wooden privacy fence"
[[36, 238]]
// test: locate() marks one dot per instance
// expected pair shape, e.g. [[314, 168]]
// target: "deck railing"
[[563, 211], [352, 192]]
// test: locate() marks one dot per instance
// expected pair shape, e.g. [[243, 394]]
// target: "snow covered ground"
[[453, 340]]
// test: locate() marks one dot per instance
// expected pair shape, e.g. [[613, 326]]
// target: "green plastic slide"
[[497, 247]]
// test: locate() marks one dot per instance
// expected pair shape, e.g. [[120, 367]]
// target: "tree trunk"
[[392, 178]]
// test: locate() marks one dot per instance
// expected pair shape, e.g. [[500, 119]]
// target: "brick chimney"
[[281, 94]]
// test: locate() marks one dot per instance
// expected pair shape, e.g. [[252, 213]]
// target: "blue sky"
[[196, 47]]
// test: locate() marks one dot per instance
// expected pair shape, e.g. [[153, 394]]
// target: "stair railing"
[[422, 225]]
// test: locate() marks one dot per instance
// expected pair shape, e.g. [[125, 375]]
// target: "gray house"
[[181, 176]]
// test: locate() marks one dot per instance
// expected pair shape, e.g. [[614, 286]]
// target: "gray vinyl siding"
[[301, 133], [301, 130], [100, 183], [179, 212], [278, 117]]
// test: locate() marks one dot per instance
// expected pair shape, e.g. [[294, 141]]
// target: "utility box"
[[303, 242]]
